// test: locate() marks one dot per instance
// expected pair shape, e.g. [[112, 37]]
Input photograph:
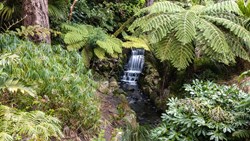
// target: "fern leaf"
[[14, 86], [183, 55], [165, 6], [237, 47], [185, 26], [242, 133], [163, 49], [224, 6], [5, 137], [215, 38], [106, 46], [99, 52], [236, 29], [115, 43], [73, 37], [134, 42]]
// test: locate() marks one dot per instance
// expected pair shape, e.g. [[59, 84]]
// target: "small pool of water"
[[146, 112]]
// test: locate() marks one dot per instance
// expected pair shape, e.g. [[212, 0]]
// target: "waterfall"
[[134, 67]]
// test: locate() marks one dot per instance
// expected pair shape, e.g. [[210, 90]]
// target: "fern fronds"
[[236, 29], [185, 26], [242, 133], [224, 6], [165, 6], [134, 42], [215, 37], [14, 86]]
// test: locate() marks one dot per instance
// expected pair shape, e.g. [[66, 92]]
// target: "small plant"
[[91, 41], [212, 112]]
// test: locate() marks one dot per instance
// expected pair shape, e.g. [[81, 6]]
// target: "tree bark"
[[149, 2], [36, 12]]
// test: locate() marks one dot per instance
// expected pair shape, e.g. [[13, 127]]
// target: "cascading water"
[[134, 67], [145, 110]]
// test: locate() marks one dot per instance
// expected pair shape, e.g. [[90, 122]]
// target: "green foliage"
[[63, 86], [34, 125], [91, 41], [134, 42], [107, 15], [212, 112], [217, 31]]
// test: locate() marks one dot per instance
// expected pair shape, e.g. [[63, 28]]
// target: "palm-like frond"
[[185, 26], [191, 27]]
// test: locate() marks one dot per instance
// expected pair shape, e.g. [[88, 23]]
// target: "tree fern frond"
[[100, 53], [164, 6], [163, 49], [73, 37], [55, 12], [5, 136], [236, 29], [156, 21], [237, 47], [106, 46], [139, 22], [224, 6], [185, 26], [159, 33], [242, 133], [134, 42], [184, 54], [214, 36], [115, 43]]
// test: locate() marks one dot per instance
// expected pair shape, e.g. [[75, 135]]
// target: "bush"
[[64, 87], [211, 113]]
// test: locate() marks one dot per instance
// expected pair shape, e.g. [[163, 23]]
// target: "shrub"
[[64, 87], [212, 112]]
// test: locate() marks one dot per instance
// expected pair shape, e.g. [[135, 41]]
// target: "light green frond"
[[5, 137], [236, 29], [134, 42], [180, 55], [99, 52], [237, 47], [214, 37], [115, 43], [206, 50], [183, 55], [55, 12], [159, 33], [139, 22], [14, 86], [185, 26], [155, 22], [105, 45], [243, 133], [73, 37], [8, 58], [75, 28], [224, 6], [164, 6]]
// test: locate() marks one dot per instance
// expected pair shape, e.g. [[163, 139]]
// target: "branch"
[[71, 9]]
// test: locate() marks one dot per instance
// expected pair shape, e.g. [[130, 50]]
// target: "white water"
[[134, 67]]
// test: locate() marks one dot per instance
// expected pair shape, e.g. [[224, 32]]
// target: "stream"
[[146, 112]]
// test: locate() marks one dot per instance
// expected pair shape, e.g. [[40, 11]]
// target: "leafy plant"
[[91, 41], [34, 125], [63, 86], [178, 34], [212, 112]]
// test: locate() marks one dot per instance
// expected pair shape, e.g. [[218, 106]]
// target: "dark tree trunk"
[[36, 13], [149, 2]]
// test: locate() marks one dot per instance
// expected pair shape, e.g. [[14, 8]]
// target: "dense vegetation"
[[55, 75]]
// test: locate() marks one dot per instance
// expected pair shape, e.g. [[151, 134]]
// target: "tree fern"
[[80, 36], [212, 22], [134, 42]]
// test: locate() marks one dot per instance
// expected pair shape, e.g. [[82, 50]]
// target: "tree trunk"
[[36, 13], [149, 2]]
